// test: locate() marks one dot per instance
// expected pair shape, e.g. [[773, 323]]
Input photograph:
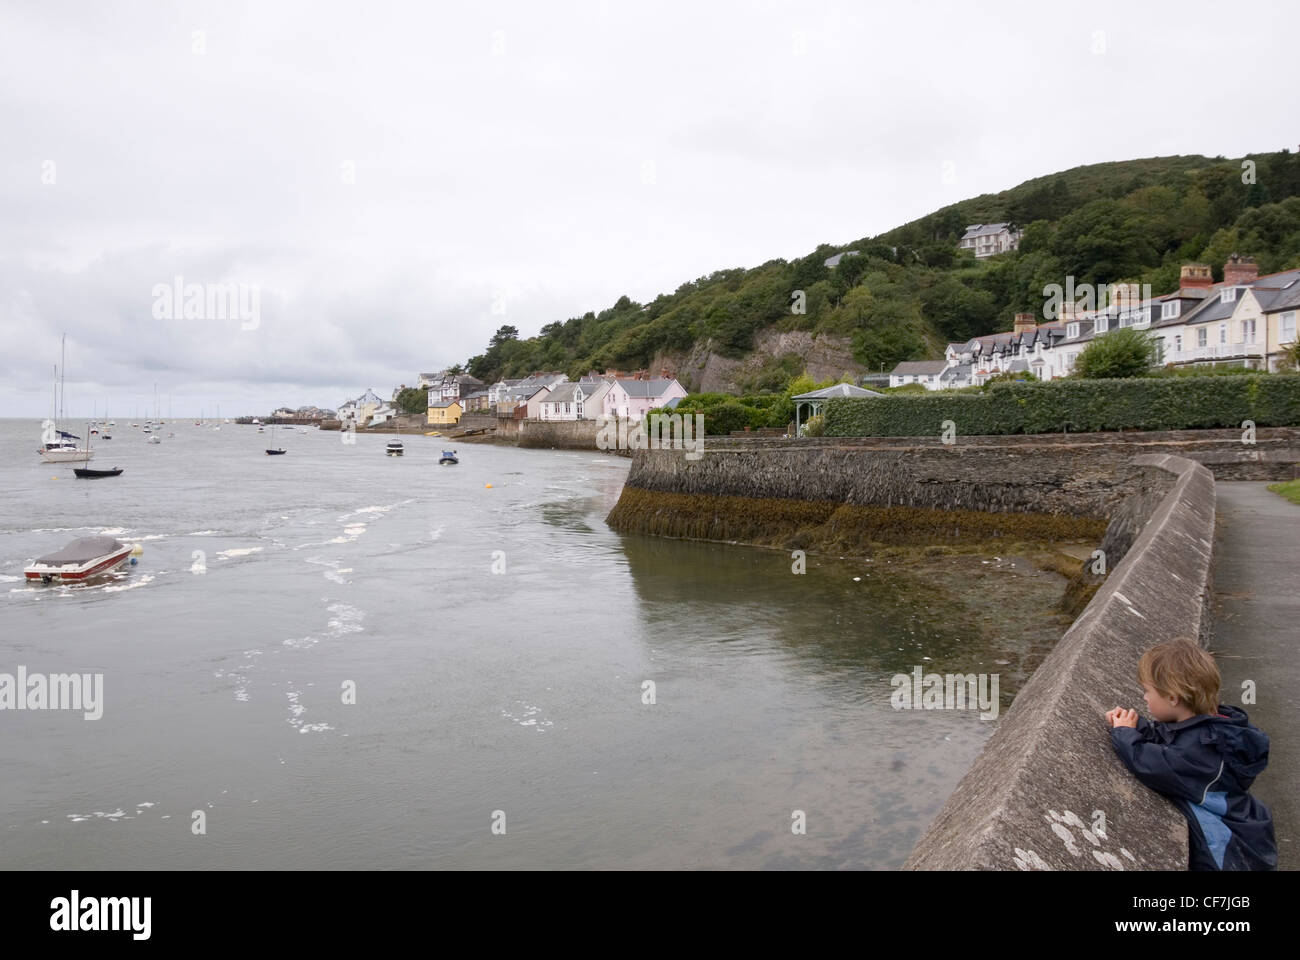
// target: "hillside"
[[910, 291]]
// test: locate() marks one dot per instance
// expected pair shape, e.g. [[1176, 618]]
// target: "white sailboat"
[[57, 445]]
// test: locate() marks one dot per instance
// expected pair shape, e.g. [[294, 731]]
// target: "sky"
[[394, 181]]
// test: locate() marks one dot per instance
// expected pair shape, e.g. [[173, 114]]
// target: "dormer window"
[[1072, 330], [1102, 324], [1227, 294], [1170, 309]]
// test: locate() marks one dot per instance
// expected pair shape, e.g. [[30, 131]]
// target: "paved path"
[[1257, 637]]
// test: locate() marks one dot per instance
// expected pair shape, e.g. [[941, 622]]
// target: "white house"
[[633, 398], [987, 239], [458, 386], [583, 400], [925, 372], [362, 408]]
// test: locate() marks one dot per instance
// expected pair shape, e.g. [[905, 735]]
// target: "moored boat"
[[394, 448], [86, 473], [80, 560], [448, 458]]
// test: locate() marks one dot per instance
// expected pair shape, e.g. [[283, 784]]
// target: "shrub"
[[1126, 352], [815, 426], [1146, 403]]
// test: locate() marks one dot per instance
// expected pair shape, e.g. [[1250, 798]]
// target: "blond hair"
[[1182, 668]]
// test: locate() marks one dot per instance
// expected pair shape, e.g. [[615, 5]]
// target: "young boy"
[[1202, 756]]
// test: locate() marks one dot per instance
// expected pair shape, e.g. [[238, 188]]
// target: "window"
[[1201, 337], [1072, 331], [1223, 333], [1160, 350], [579, 409], [1227, 294], [1102, 324], [1248, 331], [1178, 343], [1170, 309], [1288, 326]]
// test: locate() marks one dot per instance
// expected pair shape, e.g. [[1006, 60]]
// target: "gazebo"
[[813, 401]]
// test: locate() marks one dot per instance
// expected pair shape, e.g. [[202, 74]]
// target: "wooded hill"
[[910, 290]]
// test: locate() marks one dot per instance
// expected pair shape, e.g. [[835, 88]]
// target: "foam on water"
[[137, 582]]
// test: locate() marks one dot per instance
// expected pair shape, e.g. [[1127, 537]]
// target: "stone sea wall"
[[1047, 792]]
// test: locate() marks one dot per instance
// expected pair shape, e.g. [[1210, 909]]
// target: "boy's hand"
[[1119, 717]]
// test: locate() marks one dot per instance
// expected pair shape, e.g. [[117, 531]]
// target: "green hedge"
[[1076, 406]]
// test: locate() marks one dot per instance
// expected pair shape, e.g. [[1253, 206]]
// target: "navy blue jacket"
[[1206, 764]]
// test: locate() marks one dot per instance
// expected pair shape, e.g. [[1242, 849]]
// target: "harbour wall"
[[1048, 792]]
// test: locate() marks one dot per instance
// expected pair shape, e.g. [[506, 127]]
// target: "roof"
[[959, 371], [835, 260], [645, 389], [672, 404], [560, 393], [445, 403], [913, 367], [984, 230], [839, 390]]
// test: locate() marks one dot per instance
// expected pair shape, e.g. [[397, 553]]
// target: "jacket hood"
[[1243, 746]]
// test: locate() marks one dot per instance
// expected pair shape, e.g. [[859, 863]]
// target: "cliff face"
[[702, 370]]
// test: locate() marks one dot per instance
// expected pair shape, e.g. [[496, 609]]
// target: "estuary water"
[[499, 642]]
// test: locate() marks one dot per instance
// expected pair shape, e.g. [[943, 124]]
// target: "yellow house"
[[444, 413]]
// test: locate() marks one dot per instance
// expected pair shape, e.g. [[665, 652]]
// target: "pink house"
[[634, 398]]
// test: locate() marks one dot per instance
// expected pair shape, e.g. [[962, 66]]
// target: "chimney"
[[1124, 296], [663, 374], [1025, 322], [1195, 280], [1240, 270]]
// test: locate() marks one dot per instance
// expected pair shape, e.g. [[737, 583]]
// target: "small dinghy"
[[448, 458], [394, 448], [85, 473], [275, 453], [80, 560]]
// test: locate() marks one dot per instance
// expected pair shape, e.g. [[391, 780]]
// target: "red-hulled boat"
[[80, 560]]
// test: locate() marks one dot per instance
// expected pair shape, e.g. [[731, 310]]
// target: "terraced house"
[[1245, 320]]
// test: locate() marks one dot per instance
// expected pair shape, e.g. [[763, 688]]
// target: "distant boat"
[[154, 439], [449, 458], [86, 473], [394, 448], [276, 452], [80, 560]]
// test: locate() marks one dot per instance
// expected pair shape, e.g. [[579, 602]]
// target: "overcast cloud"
[[401, 179]]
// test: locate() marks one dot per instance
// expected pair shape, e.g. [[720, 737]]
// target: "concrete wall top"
[[1048, 776]]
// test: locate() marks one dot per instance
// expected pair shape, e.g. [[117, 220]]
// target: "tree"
[[505, 332], [1126, 352], [413, 400]]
